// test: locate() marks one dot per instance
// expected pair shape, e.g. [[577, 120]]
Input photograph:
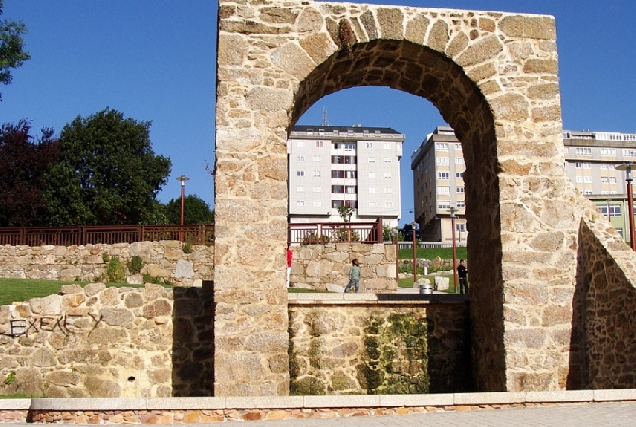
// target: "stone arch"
[[493, 76]]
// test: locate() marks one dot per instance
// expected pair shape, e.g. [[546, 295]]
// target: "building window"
[[441, 147], [458, 146], [608, 152], [459, 174], [300, 144], [372, 204], [460, 189], [583, 151], [587, 179], [614, 210], [300, 173], [369, 144], [629, 153], [388, 204], [387, 145], [337, 188], [300, 158], [319, 144], [443, 190], [460, 204], [316, 174], [300, 203], [343, 160], [579, 179], [372, 190], [316, 189], [343, 174], [300, 188], [350, 189], [388, 190], [459, 160], [387, 160], [371, 174], [443, 205], [387, 174], [612, 180], [442, 175], [316, 158], [442, 160], [371, 159], [587, 165], [317, 203]]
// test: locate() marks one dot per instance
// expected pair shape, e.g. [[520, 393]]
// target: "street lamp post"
[[453, 210], [627, 167], [183, 180], [413, 225]]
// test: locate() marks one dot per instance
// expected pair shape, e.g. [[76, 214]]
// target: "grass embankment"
[[14, 290]]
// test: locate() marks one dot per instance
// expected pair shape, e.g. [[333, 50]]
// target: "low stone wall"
[[109, 342], [164, 260], [231, 409], [379, 344], [604, 311], [326, 267]]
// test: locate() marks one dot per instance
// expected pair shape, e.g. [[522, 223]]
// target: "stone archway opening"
[[423, 72]]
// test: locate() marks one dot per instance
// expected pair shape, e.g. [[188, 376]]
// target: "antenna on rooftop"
[[325, 121]]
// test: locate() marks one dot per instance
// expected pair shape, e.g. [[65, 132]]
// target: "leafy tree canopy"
[[12, 53], [107, 173], [23, 163], [195, 211]]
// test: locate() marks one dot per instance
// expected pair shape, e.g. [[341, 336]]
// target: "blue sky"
[[154, 60]]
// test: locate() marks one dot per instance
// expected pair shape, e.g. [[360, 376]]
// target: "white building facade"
[[332, 166], [590, 163]]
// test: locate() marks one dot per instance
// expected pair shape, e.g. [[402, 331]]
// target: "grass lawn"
[[430, 253], [407, 282], [14, 290]]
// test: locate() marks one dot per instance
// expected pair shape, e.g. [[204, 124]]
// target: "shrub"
[[135, 264], [187, 248], [115, 271], [10, 379]]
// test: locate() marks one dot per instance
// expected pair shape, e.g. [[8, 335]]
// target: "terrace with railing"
[[201, 234], [317, 233]]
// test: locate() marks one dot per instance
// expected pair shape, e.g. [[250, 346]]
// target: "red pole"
[[630, 206], [414, 256]]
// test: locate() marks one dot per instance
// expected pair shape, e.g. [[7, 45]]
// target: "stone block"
[[442, 283]]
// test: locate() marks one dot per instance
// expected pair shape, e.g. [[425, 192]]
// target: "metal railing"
[[202, 234], [317, 233]]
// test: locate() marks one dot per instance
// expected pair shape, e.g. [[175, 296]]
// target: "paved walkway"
[[615, 414]]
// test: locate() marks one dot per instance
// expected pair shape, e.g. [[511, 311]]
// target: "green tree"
[[23, 165], [107, 173], [195, 211], [12, 53]]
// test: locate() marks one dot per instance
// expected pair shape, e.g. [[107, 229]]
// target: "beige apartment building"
[[590, 162], [331, 166]]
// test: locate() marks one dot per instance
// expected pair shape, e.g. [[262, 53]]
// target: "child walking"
[[354, 275]]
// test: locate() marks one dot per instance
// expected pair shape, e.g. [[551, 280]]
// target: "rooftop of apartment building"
[[344, 131]]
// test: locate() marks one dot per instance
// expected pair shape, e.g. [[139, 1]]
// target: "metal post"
[[413, 224], [452, 216], [627, 167]]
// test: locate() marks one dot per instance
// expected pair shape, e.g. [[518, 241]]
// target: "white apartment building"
[[438, 185], [590, 160], [332, 166]]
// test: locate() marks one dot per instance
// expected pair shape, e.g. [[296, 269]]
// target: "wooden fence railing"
[[309, 233], [105, 234]]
